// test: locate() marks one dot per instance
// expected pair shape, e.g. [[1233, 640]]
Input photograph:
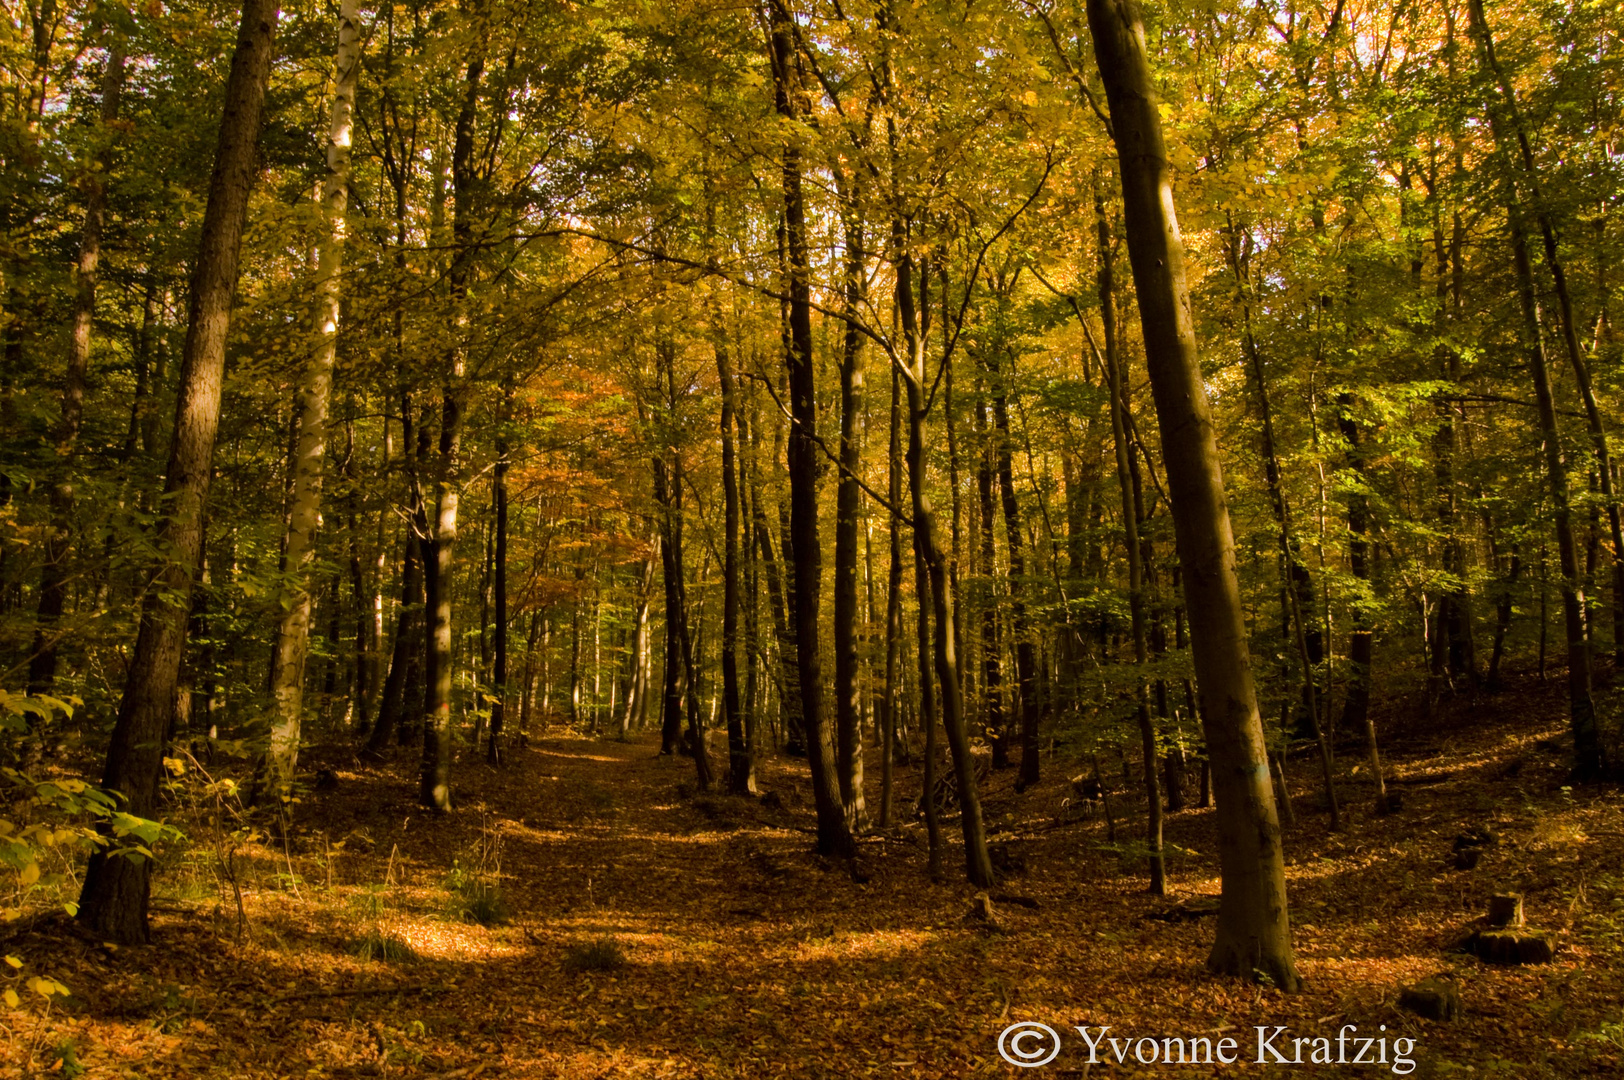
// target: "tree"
[[293, 635], [1253, 931], [113, 902]]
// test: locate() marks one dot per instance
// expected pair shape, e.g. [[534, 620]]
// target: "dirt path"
[[745, 955]]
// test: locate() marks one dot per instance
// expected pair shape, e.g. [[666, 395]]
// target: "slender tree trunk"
[[1356, 708], [636, 711], [927, 709], [499, 496], [834, 837], [741, 766], [402, 691], [992, 664], [53, 588], [113, 903], [848, 684], [1253, 932], [1026, 683], [671, 574], [293, 633], [893, 608], [1535, 199], [1589, 759], [1132, 548], [435, 788], [978, 864]]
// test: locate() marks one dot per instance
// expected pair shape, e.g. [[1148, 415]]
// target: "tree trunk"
[[834, 838], [1294, 580], [1535, 199], [1026, 688], [1132, 548], [1589, 759], [1356, 709], [1253, 932], [741, 766], [113, 903], [59, 545], [499, 496], [992, 665], [977, 862], [435, 787], [848, 685], [315, 390], [893, 608]]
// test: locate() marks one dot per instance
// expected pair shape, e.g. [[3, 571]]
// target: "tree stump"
[[1467, 858], [1506, 909], [1435, 999], [983, 914], [1514, 947]]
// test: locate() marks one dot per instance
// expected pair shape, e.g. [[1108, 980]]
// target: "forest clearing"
[[641, 932], [811, 537]]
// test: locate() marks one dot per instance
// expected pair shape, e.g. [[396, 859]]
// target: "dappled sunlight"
[[440, 939], [872, 945], [538, 752]]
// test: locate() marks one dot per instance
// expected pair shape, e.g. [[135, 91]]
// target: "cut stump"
[[1435, 999], [1514, 947], [1506, 909]]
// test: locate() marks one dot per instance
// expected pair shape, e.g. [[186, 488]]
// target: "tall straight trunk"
[[789, 697], [848, 508], [1254, 930], [1131, 544], [834, 837], [893, 608], [364, 594], [435, 786], [499, 496], [977, 861], [992, 664], [113, 903], [1589, 758], [1296, 590], [636, 711], [1026, 683], [927, 706], [527, 689], [671, 577], [1292, 574], [315, 390], [53, 587], [1510, 115], [402, 692], [1356, 708], [741, 766], [1503, 605], [147, 377]]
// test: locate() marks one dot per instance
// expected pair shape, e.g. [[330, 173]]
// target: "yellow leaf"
[[30, 873], [11, 999], [14, 962]]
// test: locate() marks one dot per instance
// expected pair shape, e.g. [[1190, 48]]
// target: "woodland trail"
[[745, 955]]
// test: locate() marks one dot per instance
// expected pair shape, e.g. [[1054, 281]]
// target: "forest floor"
[[743, 954]]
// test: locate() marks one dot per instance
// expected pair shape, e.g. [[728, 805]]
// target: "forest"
[[824, 538]]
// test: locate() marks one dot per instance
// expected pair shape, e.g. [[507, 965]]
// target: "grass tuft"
[[600, 954], [377, 945]]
